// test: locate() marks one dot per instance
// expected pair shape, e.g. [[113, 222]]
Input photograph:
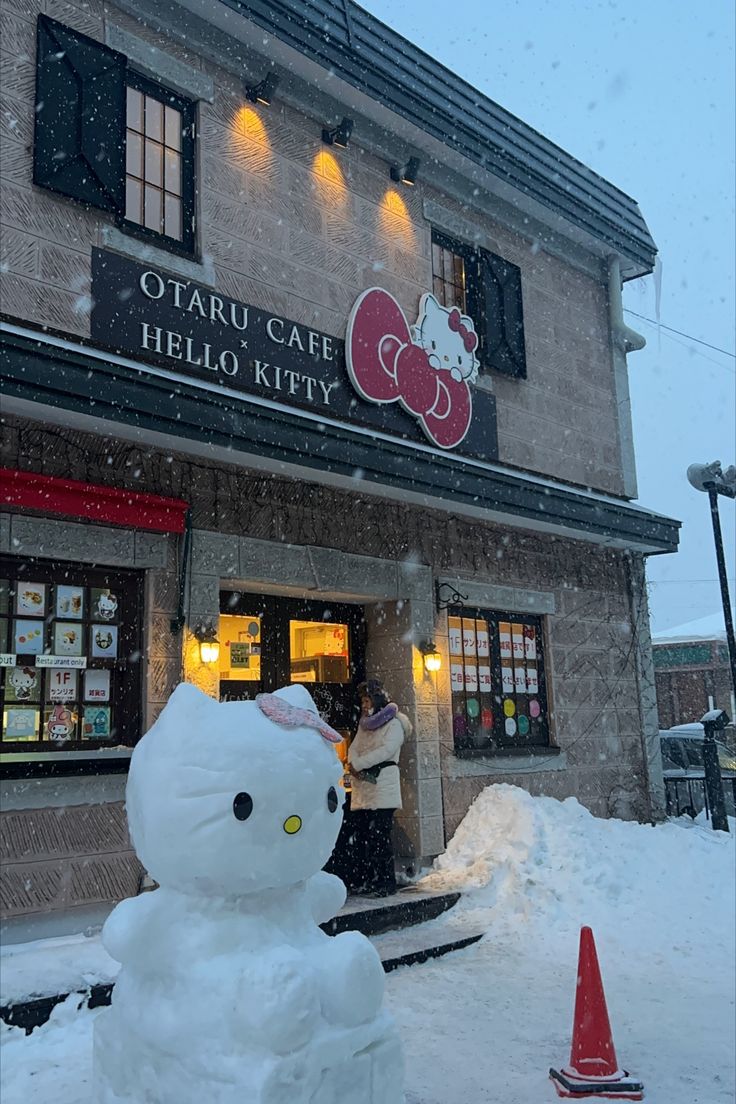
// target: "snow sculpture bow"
[[291, 716]]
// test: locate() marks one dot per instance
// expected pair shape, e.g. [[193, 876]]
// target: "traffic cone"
[[593, 1068]]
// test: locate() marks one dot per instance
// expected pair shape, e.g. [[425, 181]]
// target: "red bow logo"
[[385, 365]]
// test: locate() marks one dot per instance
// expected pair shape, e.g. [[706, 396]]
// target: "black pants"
[[372, 851]]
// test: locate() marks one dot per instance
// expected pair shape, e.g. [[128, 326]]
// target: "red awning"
[[49, 495]]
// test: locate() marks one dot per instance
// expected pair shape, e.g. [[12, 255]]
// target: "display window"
[[497, 681], [70, 656]]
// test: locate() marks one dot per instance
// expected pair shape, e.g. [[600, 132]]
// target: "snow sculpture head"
[[223, 801], [449, 339]]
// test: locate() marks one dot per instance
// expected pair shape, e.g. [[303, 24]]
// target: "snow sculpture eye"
[[331, 799], [242, 806]]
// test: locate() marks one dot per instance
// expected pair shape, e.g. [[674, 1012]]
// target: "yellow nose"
[[292, 825]]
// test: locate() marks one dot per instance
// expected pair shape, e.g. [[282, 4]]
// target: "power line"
[[671, 329]]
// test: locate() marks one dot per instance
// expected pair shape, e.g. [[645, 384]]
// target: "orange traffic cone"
[[593, 1068]]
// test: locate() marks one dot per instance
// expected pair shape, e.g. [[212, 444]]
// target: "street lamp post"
[[710, 478]]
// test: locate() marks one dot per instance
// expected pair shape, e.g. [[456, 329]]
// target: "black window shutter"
[[79, 145], [501, 329]]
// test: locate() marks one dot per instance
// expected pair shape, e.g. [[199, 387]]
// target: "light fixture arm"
[[443, 602]]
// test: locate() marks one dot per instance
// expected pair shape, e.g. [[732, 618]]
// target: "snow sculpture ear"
[[278, 708], [297, 695]]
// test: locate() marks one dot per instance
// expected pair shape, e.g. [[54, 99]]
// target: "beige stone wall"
[[293, 227], [65, 858], [591, 652]]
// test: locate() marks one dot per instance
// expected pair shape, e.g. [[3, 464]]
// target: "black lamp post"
[[710, 478]]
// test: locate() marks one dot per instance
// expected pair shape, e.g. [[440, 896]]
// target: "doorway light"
[[209, 645], [432, 658]]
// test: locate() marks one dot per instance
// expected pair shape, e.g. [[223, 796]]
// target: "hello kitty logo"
[[427, 368]]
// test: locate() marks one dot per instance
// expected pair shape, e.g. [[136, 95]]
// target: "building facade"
[[312, 352], [692, 672]]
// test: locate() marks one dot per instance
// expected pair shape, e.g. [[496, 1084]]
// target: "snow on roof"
[[704, 628]]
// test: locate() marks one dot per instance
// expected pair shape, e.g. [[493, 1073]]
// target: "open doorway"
[[267, 642]]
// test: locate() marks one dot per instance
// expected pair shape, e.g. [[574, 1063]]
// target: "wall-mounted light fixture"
[[340, 135], [407, 174], [265, 90], [432, 658], [209, 645]]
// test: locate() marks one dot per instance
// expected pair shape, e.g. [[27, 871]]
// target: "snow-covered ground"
[[486, 1023]]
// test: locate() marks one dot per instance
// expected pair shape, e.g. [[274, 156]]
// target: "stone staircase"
[[408, 928]]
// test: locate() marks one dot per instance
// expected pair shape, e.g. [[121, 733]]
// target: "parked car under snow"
[[684, 771]]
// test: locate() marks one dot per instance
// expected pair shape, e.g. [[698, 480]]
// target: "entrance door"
[[268, 642]]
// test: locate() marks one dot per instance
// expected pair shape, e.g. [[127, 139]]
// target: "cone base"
[[576, 1089]]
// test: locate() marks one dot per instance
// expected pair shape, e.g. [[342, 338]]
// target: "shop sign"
[[61, 661], [7, 659], [397, 385], [428, 368]]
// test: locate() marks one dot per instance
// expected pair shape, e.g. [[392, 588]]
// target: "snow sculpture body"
[[229, 992]]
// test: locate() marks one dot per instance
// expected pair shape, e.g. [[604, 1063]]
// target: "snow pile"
[[526, 861]]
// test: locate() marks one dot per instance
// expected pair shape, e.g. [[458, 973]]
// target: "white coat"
[[367, 750]]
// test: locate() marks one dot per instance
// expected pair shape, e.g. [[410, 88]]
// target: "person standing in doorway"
[[373, 760]]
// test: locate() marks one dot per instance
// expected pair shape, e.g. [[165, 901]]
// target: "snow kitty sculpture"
[[229, 992], [427, 368]]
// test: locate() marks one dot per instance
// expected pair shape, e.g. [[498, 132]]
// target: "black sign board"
[[162, 319]]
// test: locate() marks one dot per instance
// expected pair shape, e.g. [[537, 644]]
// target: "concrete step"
[[405, 908]]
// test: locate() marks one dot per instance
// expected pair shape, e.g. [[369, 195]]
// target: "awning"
[[47, 494]]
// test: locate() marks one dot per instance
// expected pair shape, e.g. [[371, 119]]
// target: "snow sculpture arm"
[[326, 894], [387, 748], [126, 925]]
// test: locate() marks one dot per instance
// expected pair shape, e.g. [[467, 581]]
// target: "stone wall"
[[591, 643], [288, 225]]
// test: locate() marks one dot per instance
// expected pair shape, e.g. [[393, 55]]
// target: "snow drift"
[[534, 862]]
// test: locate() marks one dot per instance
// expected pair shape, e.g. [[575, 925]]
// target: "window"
[[70, 643], [112, 140], [499, 698], [487, 288], [159, 185]]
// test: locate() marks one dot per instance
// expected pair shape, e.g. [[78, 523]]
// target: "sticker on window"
[[31, 598], [20, 723], [104, 641], [61, 685], [28, 637], [96, 723], [22, 684], [67, 638], [69, 602], [104, 605], [97, 685], [457, 680]]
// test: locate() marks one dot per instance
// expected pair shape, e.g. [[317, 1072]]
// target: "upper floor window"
[[487, 288], [111, 139], [159, 172], [497, 679]]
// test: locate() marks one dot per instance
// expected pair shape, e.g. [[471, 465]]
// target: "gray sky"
[[643, 91]]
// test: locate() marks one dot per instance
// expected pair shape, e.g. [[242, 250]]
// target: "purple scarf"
[[382, 717]]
